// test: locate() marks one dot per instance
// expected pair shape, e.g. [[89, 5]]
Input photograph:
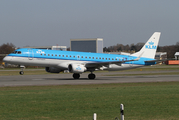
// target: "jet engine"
[[76, 68], [53, 69]]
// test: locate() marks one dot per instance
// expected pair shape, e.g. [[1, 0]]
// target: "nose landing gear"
[[21, 72], [22, 68]]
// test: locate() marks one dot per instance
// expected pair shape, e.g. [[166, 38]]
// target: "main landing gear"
[[76, 75], [22, 68], [90, 76]]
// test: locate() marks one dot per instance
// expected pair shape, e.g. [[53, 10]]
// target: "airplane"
[[77, 63]]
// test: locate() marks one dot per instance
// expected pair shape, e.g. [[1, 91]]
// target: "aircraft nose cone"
[[7, 59]]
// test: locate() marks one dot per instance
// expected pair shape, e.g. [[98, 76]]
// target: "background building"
[[161, 55], [87, 45], [177, 56]]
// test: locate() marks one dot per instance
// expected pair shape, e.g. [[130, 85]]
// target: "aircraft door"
[[31, 54]]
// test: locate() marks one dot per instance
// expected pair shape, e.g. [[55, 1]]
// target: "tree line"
[[6, 49], [171, 49]]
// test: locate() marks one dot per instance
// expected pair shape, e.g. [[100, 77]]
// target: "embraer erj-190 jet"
[[56, 61]]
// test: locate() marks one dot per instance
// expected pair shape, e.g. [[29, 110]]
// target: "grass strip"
[[78, 102]]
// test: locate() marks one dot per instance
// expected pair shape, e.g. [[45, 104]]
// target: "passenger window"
[[96, 57], [99, 58], [55, 55], [66, 55], [112, 58], [81, 56], [106, 59], [52, 54], [109, 58], [89, 57], [63, 55], [74, 56], [59, 55], [45, 54], [93, 57], [85, 57], [70, 55]]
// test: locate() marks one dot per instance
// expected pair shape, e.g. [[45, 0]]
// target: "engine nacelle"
[[76, 68], [53, 69]]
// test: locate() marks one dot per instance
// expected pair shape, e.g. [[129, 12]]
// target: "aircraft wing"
[[100, 64]]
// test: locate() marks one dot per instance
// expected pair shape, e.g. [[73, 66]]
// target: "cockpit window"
[[19, 52]]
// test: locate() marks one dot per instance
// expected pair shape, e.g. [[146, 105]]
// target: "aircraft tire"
[[21, 72], [76, 76], [91, 76]]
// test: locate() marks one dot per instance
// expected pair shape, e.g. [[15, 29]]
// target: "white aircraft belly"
[[42, 62]]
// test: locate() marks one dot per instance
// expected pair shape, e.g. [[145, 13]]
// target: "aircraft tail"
[[150, 47]]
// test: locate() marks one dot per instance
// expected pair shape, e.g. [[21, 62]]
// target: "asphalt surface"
[[66, 79]]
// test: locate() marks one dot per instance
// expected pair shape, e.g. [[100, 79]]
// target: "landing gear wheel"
[[21, 72], [76, 76], [22, 68], [91, 76]]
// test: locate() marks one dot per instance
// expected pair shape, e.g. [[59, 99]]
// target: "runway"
[[66, 79]]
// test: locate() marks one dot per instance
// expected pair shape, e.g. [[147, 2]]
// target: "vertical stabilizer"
[[150, 47]]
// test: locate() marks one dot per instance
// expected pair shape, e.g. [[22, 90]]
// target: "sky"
[[55, 22]]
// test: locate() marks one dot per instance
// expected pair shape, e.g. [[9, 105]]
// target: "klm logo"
[[78, 68], [40, 51], [151, 46]]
